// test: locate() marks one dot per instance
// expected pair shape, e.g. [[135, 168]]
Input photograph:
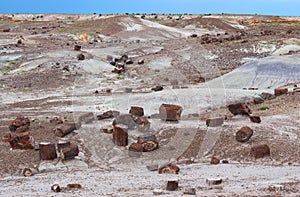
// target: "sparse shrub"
[[264, 107]]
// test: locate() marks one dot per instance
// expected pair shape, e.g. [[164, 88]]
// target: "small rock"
[[149, 146], [260, 151], [239, 109], [276, 188], [255, 119], [158, 192], [189, 191], [128, 90], [108, 130], [147, 137], [80, 56], [214, 122], [216, 181], [172, 185], [136, 111], [141, 61], [169, 169], [157, 88], [108, 114], [56, 188], [74, 186], [214, 160], [225, 161], [153, 167], [244, 134], [77, 47]]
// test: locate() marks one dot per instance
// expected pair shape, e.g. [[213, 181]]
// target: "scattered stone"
[[280, 91], [27, 172], [80, 56], [64, 129], [194, 36], [56, 188], [20, 124], [169, 169], [172, 185], [157, 88], [6, 30], [125, 119], [141, 61], [120, 136], [267, 96], [225, 161], [255, 119], [169, 112], [260, 151], [216, 181], [77, 47], [136, 111], [124, 58], [128, 90], [239, 109], [214, 122], [189, 191], [244, 134], [47, 151], [19, 140], [108, 114], [158, 192], [276, 188], [214, 160], [86, 118], [74, 186], [69, 152], [153, 167], [129, 61]]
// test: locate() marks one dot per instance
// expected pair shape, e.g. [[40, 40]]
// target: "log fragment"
[[214, 160], [27, 172], [62, 130], [169, 169], [255, 119], [260, 151], [108, 114], [62, 144], [20, 122], [149, 146], [47, 151], [214, 122], [169, 112], [136, 111], [120, 136], [216, 181], [172, 185], [280, 91], [19, 140], [69, 152], [244, 134], [239, 109]]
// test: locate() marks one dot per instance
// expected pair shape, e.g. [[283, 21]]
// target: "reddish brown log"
[[147, 137], [62, 144], [47, 151], [172, 185], [120, 136], [143, 123], [136, 147], [244, 134], [62, 130], [74, 186], [260, 151], [136, 111], [108, 114], [214, 122], [19, 140], [170, 112], [77, 47], [69, 152]]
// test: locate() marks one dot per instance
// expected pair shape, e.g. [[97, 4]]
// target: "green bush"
[[264, 107]]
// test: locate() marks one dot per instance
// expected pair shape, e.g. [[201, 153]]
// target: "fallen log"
[[19, 140], [260, 151], [169, 112], [20, 121], [47, 151], [62, 130], [244, 134]]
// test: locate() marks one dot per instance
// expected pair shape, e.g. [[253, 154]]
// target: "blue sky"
[[271, 7]]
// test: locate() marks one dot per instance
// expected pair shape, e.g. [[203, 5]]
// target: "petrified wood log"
[[169, 169], [170, 112], [47, 151], [244, 134], [19, 140], [62, 130], [260, 151], [62, 144], [120, 136], [20, 124], [69, 152], [172, 185], [136, 111]]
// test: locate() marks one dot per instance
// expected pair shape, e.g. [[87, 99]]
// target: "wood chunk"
[[108, 114], [260, 151], [149, 146], [216, 181], [20, 121], [172, 185], [255, 119], [136, 147], [120, 136], [47, 151], [239, 109], [56, 121], [27, 172], [170, 112], [74, 186], [62, 130], [136, 111], [214, 160], [169, 169], [56, 188], [280, 91], [189, 191], [62, 144], [214, 122], [19, 140], [147, 137], [244, 134], [69, 152]]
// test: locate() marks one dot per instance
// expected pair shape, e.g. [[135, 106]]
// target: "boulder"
[[169, 112], [239, 109], [244, 134]]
